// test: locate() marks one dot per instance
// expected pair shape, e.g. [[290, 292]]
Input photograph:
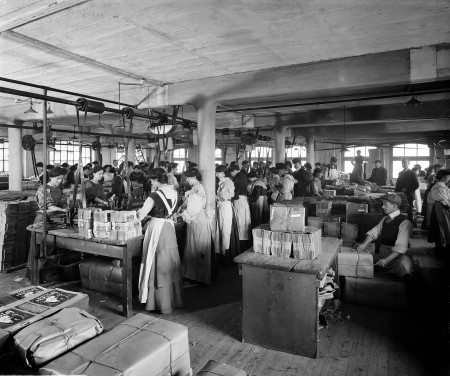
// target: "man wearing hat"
[[245, 166], [393, 232]]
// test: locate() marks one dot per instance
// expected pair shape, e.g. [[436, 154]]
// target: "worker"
[[379, 174], [407, 182], [393, 231]]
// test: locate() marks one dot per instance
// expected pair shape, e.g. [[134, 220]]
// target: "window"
[[349, 155], [259, 153], [120, 156], [416, 154], [296, 152], [218, 156], [68, 152], [180, 156], [4, 156]]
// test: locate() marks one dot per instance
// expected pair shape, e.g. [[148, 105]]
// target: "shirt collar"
[[394, 214]]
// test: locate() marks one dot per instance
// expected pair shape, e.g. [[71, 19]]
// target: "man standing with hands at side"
[[407, 182], [393, 231]]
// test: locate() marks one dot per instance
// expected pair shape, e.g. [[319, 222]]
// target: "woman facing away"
[[160, 277], [439, 231], [259, 208], [227, 235], [198, 251]]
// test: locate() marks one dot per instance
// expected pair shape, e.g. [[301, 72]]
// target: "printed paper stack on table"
[[302, 245], [108, 224], [352, 263]]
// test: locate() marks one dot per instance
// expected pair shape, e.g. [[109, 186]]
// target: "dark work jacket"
[[389, 231], [303, 186], [407, 179], [379, 176], [240, 185]]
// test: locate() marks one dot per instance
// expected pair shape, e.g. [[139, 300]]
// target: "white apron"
[[243, 217], [152, 236], [224, 224]]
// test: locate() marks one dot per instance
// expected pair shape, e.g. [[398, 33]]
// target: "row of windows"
[[69, 152]]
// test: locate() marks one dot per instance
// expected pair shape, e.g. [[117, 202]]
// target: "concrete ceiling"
[[277, 63]]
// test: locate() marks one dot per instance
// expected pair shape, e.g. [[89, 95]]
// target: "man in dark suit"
[[379, 174], [407, 182]]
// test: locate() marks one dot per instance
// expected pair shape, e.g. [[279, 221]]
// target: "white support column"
[[15, 159], [310, 151], [132, 150], [280, 148], [206, 120]]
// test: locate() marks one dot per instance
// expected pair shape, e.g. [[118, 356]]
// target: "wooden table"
[[67, 238], [281, 298]]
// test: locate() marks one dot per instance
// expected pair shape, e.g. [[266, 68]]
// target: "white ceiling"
[[90, 46]]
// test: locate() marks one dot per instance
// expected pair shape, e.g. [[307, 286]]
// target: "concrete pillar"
[[310, 157], [388, 162], [206, 120], [280, 149], [151, 155], [15, 159], [132, 150], [193, 153]]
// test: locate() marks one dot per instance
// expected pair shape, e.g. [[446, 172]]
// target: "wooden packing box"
[[382, 291], [352, 263], [141, 345], [316, 222], [332, 229]]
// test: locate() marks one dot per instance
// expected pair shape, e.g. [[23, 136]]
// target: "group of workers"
[[243, 196]]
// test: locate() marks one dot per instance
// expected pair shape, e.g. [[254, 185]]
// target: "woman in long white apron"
[[160, 277], [227, 236]]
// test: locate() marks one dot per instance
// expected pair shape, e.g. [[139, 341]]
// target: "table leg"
[[127, 281], [34, 273]]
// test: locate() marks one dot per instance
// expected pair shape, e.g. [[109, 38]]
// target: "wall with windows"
[[180, 156], [416, 153], [4, 156], [69, 152], [351, 154]]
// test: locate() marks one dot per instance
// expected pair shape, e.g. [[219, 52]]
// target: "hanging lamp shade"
[[31, 109]]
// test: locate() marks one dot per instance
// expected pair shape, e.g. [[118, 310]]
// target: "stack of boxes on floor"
[[51, 330], [15, 216], [108, 224]]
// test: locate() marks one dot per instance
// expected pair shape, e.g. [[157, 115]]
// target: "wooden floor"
[[369, 341]]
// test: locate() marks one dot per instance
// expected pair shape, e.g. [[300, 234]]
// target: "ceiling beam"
[[364, 114], [314, 80], [34, 12], [37, 44]]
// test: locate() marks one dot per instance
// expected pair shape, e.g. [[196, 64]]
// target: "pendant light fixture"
[[31, 109], [74, 136]]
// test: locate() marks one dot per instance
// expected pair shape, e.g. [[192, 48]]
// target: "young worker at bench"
[[393, 231]]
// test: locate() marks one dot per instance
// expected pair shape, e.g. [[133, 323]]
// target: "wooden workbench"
[[67, 238], [281, 299]]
